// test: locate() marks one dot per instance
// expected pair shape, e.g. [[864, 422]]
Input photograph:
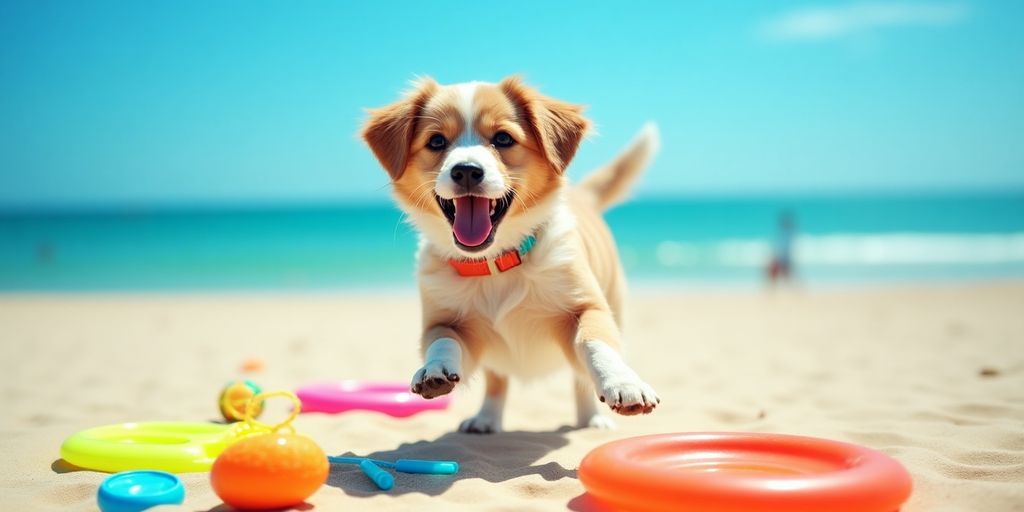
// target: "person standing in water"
[[780, 267]]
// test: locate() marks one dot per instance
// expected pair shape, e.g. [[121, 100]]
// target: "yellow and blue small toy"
[[234, 398]]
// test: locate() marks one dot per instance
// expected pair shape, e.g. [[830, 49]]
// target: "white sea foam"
[[677, 254], [851, 249]]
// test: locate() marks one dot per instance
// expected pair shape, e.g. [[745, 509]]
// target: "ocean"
[[695, 241]]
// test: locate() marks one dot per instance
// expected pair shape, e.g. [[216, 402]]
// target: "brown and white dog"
[[518, 273]]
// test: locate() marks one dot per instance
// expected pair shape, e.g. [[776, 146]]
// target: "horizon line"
[[241, 205]]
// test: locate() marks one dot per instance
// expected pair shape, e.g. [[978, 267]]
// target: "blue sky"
[[139, 103]]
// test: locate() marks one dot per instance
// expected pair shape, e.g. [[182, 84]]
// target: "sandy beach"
[[931, 375]]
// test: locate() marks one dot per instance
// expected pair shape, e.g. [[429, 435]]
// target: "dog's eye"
[[437, 142], [502, 140]]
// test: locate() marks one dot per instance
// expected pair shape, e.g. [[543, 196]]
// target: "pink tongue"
[[472, 220]]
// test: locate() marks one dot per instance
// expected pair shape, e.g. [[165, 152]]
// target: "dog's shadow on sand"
[[491, 457]]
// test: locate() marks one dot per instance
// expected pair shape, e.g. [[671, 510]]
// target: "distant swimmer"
[[44, 252], [780, 267]]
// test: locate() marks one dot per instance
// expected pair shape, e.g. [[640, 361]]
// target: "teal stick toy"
[[384, 481], [382, 478]]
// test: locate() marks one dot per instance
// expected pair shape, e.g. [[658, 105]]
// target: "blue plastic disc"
[[134, 491]]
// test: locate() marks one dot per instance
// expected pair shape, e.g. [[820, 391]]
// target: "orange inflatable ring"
[[742, 472]]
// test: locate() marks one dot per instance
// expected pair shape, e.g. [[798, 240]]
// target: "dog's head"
[[475, 164]]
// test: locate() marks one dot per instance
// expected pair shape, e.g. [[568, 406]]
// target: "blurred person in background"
[[780, 265]]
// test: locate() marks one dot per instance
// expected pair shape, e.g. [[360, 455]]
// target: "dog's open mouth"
[[474, 219]]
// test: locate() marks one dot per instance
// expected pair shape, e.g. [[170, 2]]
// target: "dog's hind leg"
[[588, 414], [488, 419]]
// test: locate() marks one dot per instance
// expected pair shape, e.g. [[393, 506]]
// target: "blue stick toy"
[[384, 481], [382, 478]]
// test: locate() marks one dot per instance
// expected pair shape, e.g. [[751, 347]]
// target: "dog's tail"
[[609, 185]]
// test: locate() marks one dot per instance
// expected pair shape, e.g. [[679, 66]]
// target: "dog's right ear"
[[389, 130]]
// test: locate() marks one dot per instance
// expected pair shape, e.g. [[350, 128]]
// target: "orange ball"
[[253, 365], [269, 471]]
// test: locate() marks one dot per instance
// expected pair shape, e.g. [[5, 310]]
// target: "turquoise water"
[[691, 240]]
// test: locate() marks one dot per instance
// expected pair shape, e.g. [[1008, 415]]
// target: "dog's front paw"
[[629, 397], [434, 379], [482, 423]]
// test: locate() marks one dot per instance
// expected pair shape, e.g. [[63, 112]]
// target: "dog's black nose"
[[467, 174]]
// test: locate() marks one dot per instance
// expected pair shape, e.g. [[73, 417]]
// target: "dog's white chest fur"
[[525, 307]]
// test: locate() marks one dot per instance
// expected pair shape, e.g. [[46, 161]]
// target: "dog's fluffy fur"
[[563, 303]]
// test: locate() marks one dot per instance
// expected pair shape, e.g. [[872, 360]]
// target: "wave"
[[852, 249]]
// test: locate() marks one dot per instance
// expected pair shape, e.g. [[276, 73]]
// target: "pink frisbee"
[[393, 398]]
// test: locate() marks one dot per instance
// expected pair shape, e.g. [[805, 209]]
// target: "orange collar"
[[503, 263]]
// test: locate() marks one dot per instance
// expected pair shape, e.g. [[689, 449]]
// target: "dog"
[[518, 273]]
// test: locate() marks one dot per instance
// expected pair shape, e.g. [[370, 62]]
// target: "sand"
[[932, 375]]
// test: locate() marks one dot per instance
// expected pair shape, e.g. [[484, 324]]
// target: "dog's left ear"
[[559, 126], [389, 130]]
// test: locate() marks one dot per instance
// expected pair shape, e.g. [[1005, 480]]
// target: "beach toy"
[[384, 480], [253, 365], [134, 491], [272, 468], [173, 446], [234, 398], [177, 447], [741, 472], [393, 398]]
